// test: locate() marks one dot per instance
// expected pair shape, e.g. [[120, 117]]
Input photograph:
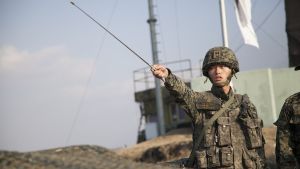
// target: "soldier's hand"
[[159, 71]]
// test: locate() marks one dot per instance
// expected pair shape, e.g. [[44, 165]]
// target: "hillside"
[[157, 153], [73, 157]]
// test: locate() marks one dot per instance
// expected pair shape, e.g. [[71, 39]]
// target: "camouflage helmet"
[[220, 55]]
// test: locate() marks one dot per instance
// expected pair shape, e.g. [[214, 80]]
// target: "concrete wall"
[[267, 89]]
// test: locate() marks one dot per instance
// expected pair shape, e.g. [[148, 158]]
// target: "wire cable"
[[83, 97]]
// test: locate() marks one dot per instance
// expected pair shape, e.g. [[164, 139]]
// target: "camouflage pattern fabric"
[[220, 55], [288, 133], [234, 141]]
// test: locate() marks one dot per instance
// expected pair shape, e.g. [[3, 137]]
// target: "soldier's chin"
[[221, 84]]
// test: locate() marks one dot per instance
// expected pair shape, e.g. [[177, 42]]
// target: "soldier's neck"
[[223, 92], [226, 89]]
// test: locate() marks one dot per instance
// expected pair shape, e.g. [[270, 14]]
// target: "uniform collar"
[[218, 92]]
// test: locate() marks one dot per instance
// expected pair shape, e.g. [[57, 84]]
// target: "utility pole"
[[159, 102]]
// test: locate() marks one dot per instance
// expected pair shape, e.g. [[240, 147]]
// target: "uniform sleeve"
[[253, 131], [284, 155], [248, 108], [183, 94]]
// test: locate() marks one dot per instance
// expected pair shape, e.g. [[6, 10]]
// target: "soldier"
[[227, 132], [288, 133]]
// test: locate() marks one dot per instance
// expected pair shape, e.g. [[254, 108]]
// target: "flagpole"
[[224, 28], [223, 23]]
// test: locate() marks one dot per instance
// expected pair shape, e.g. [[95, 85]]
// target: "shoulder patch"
[[207, 101]]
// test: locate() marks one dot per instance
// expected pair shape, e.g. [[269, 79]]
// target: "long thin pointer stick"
[[112, 34]]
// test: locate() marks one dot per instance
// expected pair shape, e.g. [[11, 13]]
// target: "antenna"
[[112, 35]]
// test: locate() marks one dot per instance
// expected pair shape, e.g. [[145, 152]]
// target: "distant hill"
[[159, 153], [73, 157]]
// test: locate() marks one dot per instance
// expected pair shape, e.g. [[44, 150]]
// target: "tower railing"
[[143, 78]]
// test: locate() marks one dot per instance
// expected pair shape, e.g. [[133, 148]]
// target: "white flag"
[[243, 14]]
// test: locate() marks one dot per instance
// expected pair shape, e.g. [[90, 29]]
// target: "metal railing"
[[143, 78]]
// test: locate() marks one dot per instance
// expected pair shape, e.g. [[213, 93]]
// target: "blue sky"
[[65, 81]]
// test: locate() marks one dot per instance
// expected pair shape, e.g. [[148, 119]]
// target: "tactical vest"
[[232, 141], [294, 124], [288, 132]]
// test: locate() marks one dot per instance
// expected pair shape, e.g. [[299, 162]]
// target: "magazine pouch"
[[253, 132], [201, 159], [213, 157], [223, 131], [226, 156]]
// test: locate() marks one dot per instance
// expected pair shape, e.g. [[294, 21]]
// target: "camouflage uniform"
[[288, 133], [235, 139]]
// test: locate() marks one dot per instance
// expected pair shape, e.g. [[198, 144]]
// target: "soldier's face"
[[220, 75]]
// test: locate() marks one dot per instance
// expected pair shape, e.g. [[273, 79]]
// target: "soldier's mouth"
[[218, 78]]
